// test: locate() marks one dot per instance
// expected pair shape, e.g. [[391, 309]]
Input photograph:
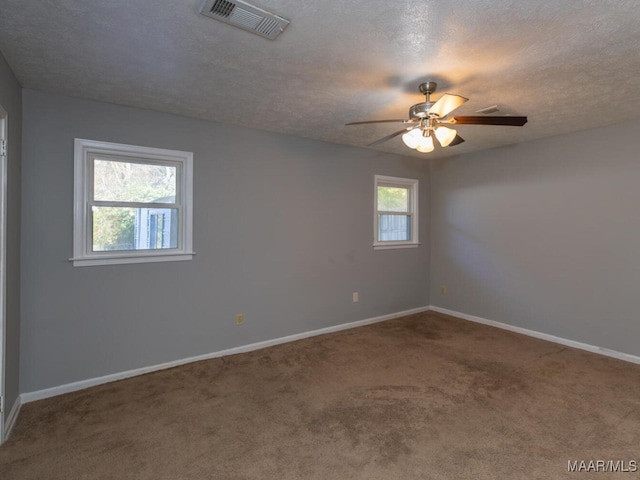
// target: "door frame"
[[3, 265]]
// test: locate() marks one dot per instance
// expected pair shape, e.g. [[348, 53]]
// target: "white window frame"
[[84, 152], [412, 185]]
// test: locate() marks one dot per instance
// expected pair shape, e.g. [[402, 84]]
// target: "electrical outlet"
[[443, 289], [240, 319], [355, 297]]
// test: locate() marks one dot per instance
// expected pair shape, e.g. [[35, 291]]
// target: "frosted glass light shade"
[[425, 144], [412, 138], [445, 135]]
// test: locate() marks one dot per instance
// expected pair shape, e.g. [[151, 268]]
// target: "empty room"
[[319, 240]]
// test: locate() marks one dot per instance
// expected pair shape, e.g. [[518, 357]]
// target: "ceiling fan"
[[428, 119]]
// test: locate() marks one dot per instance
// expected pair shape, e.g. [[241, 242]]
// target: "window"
[[132, 204], [395, 212]]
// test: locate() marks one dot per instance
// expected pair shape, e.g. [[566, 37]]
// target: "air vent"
[[246, 16]]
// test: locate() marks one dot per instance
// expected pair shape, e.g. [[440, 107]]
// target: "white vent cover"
[[246, 16]]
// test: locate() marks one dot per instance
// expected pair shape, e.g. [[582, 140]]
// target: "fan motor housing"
[[419, 110]]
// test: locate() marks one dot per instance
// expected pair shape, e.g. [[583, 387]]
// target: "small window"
[[395, 212], [132, 204]]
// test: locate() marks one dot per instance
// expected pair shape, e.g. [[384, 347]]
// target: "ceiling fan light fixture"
[[425, 145], [445, 135], [428, 118], [412, 138]]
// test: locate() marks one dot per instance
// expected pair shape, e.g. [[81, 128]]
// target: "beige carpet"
[[421, 397]]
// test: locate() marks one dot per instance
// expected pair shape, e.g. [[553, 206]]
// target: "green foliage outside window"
[[393, 199]]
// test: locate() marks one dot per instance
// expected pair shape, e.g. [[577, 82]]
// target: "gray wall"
[[283, 234], [11, 101], [544, 235]]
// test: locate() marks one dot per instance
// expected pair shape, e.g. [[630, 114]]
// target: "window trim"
[[84, 152], [412, 185]]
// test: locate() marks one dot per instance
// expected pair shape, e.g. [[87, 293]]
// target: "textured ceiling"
[[566, 64]]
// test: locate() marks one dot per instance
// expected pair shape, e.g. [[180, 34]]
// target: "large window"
[[132, 204], [395, 212]]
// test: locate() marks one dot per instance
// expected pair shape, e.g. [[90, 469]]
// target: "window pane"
[[121, 228], [393, 199], [394, 228], [115, 181]]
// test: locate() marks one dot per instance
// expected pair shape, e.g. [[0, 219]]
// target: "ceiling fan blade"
[[380, 121], [447, 103], [509, 121], [457, 140], [389, 137]]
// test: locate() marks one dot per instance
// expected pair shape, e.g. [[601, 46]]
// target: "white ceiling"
[[567, 64]]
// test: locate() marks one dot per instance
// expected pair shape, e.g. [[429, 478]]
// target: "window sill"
[[390, 246], [123, 259]]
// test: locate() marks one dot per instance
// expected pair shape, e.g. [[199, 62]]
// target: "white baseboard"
[[543, 336], [10, 420], [75, 386]]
